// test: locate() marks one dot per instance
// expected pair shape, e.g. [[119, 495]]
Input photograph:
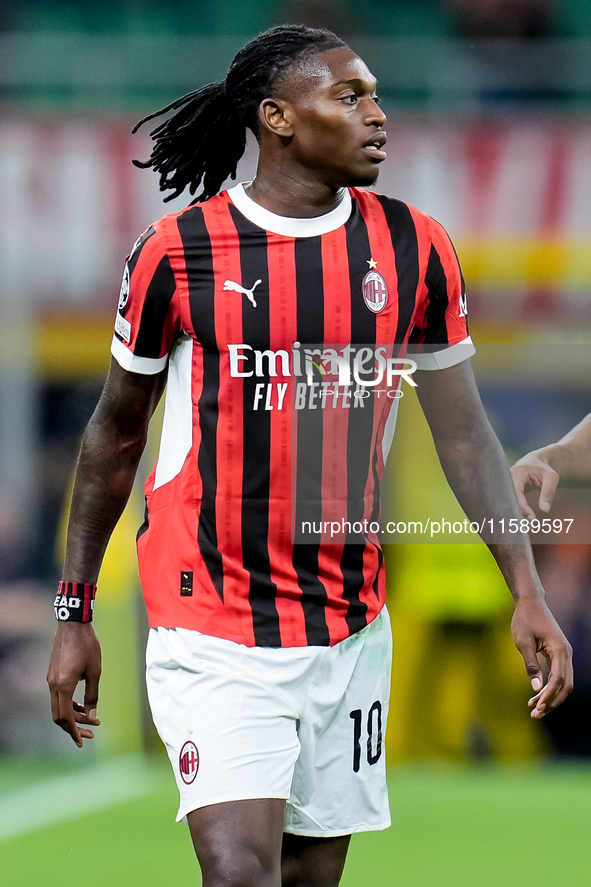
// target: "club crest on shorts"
[[375, 291], [188, 762]]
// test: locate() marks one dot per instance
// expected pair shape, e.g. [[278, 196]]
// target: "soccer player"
[[568, 461], [268, 661]]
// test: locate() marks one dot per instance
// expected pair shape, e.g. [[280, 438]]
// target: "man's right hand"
[[111, 449], [75, 657]]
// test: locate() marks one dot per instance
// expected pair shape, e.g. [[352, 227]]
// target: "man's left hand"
[[536, 631]]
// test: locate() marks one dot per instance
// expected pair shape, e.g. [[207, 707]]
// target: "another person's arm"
[[111, 450], [568, 462], [476, 469]]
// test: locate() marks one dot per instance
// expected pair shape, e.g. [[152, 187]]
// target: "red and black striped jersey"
[[252, 312]]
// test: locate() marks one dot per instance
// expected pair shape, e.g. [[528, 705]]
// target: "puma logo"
[[237, 288]]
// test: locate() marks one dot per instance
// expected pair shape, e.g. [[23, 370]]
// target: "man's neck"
[[293, 196]]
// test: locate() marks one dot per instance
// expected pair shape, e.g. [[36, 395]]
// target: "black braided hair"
[[202, 142]]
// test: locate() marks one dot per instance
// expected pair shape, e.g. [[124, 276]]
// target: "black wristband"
[[74, 602]]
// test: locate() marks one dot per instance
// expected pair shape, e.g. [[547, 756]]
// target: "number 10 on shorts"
[[374, 734]]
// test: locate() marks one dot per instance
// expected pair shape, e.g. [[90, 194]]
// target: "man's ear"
[[276, 116]]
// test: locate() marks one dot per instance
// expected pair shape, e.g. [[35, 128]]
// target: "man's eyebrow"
[[355, 81]]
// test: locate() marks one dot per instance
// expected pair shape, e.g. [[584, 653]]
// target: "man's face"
[[336, 121]]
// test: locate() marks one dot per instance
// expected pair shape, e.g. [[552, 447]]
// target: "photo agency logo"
[[345, 375], [322, 376], [345, 400]]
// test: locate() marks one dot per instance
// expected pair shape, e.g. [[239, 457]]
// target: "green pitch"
[[453, 827]]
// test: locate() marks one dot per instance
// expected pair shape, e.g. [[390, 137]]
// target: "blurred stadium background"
[[489, 105]]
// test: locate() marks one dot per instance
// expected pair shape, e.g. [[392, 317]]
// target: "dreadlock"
[[202, 142]]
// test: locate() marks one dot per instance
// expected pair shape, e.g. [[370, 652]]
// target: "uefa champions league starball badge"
[[124, 291], [375, 289]]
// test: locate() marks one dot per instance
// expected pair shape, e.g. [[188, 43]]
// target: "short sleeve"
[[147, 321], [440, 322]]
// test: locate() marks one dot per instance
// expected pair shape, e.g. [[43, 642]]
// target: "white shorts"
[[301, 723]]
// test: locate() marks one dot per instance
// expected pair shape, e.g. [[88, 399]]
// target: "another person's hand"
[[75, 657], [536, 631], [567, 460], [532, 471]]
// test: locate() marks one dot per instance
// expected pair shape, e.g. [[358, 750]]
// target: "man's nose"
[[376, 114]]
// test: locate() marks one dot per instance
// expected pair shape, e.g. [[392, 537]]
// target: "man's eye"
[[349, 99], [376, 99]]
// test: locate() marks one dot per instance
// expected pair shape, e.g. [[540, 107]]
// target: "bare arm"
[[568, 462], [112, 446], [475, 466]]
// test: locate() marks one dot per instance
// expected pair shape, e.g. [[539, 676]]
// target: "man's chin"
[[364, 181]]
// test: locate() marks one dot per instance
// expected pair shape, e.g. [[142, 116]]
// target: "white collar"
[[284, 225]]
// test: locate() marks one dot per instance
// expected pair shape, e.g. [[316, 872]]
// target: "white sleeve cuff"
[[447, 357], [147, 366]]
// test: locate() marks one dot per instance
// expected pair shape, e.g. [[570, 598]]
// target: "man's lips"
[[374, 146]]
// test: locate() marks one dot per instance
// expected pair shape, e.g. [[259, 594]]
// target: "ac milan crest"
[[375, 291], [188, 762]]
